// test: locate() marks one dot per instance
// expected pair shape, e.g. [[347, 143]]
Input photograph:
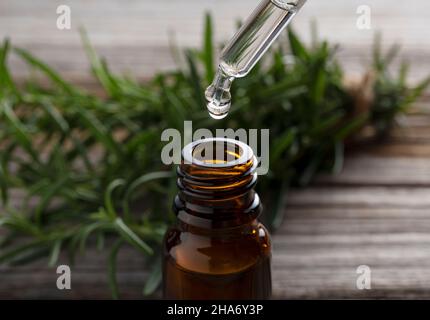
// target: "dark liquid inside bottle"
[[217, 249]]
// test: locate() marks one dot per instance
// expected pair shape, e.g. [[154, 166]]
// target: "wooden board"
[[376, 212], [135, 36]]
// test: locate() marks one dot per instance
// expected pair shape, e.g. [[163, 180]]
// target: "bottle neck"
[[218, 193]]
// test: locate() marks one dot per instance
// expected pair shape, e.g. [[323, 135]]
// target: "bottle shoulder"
[[217, 251]]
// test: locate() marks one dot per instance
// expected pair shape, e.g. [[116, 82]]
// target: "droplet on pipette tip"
[[218, 97], [217, 111]]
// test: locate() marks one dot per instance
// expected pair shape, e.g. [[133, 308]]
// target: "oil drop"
[[246, 48]]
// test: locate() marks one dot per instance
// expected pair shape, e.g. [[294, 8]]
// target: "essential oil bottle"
[[217, 249]]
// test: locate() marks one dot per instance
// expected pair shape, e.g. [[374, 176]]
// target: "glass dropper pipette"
[[246, 48]]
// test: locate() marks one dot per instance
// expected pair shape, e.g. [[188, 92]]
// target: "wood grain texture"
[[134, 35], [375, 212]]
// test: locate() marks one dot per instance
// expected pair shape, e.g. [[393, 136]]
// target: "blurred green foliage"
[[87, 166]]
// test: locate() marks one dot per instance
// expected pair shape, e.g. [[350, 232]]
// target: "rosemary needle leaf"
[[113, 284], [110, 208], [53, 75], [208, 50], [20, 131], [3, 186], [131, 237], [55, 253], [154, 279], [139, 182]]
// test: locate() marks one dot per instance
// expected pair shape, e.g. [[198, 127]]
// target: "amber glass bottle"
[[217, 249]]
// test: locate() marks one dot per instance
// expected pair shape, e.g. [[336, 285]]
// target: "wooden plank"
[[341, 283], [361, 197], [329, 282], [379, 218], [355, 227], [298, 272], [382, 171], [398, 149], [376, 212], [134, 36], [346, 212]]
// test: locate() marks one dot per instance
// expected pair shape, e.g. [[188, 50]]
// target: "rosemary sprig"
[[88, 167]]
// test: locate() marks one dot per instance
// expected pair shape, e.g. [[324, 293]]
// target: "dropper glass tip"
[[218, 97], [217, 111]]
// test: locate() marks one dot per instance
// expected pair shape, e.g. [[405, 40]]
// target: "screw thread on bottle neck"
[[216, 180]]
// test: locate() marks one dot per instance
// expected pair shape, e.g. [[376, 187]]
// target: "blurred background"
[[135, 35], [374, 213]]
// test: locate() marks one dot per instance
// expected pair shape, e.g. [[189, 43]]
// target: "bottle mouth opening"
[[217, 153]]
